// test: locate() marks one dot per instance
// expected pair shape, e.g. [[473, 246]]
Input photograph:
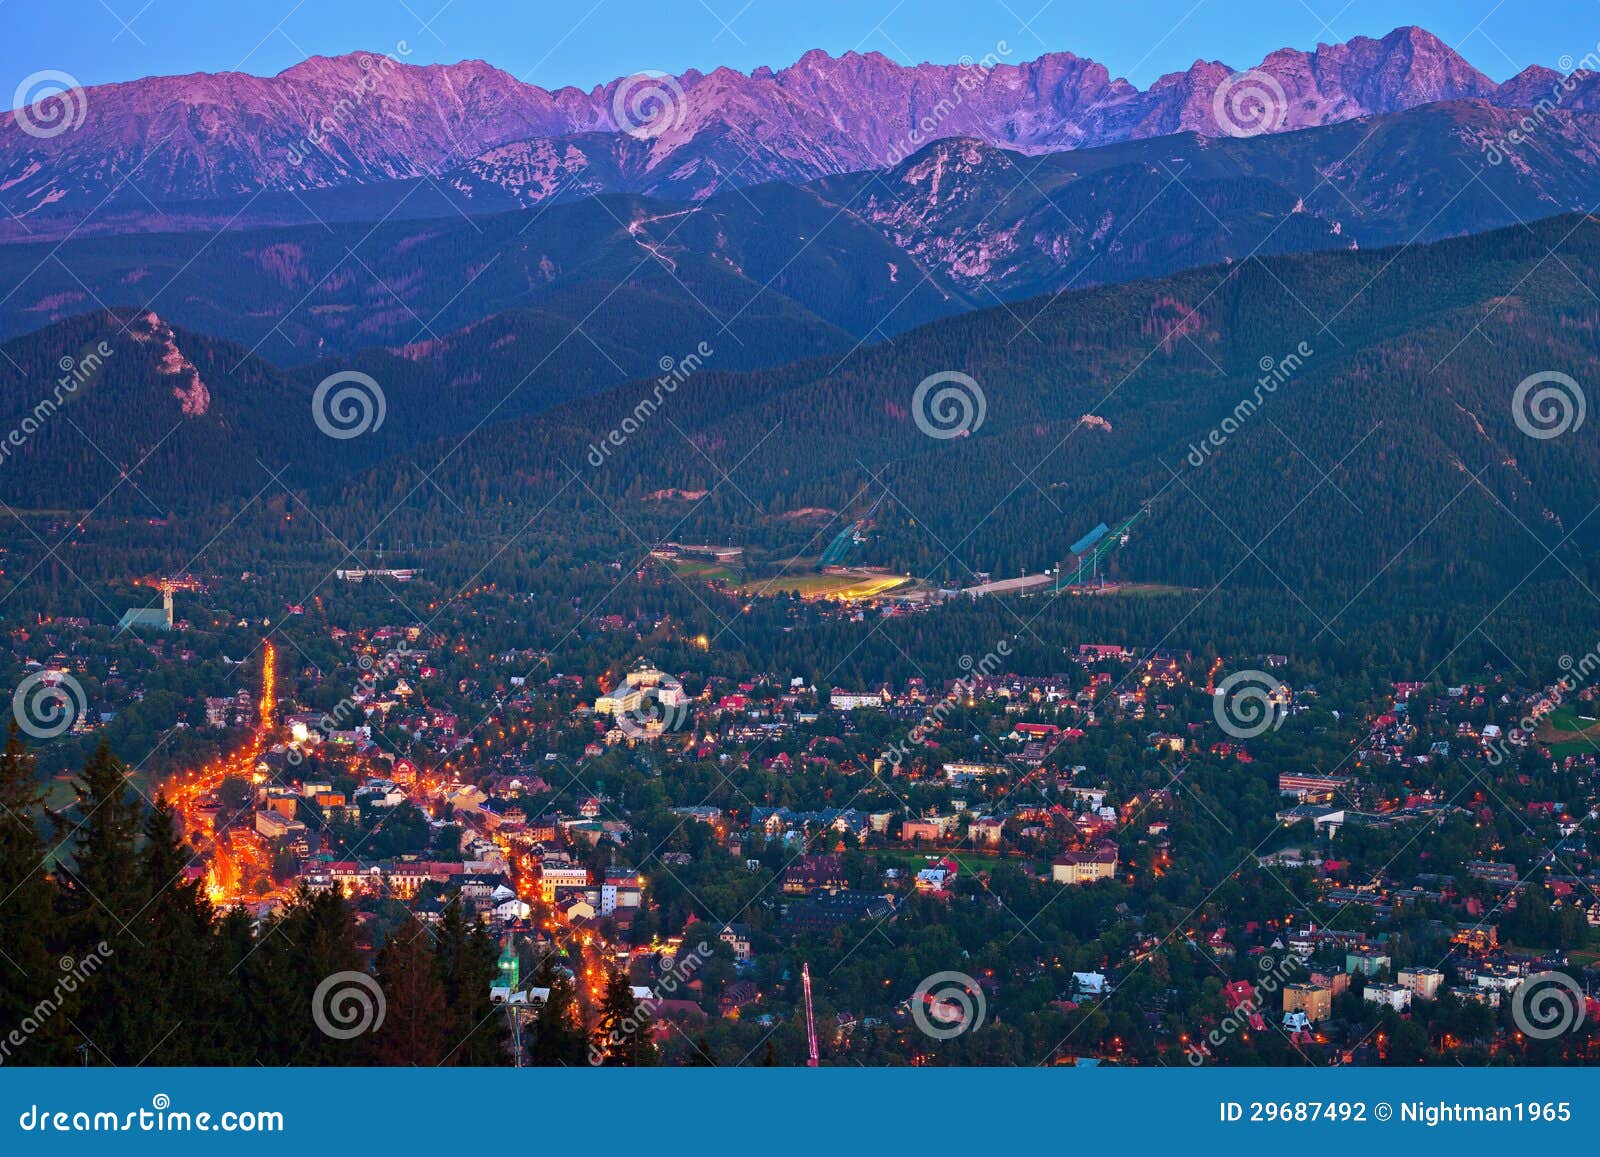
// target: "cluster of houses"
[[517, 850], [1484, 975]]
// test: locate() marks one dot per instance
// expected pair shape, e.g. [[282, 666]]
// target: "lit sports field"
[[706, 571], [850, 588]]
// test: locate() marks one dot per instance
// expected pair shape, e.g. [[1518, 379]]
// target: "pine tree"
[[28, 962], [417, 1023], [175, 948], [242, 1031], [622, 1036], [558, 1037], [104, 899], [104, 830], [467, 966], [311, 940]]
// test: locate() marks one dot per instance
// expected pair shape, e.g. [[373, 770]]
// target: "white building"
[[618, 891], [1394, 996], [1089, 983], [841, 700], [651, 700], [512, 909], [1424, 983]]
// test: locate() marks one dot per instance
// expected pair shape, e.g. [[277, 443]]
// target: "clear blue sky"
[[584, 42]]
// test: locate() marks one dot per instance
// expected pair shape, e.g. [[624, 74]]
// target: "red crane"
[[811, 1020]]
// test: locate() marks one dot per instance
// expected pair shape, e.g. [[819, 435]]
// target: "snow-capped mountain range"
[[482, 135]]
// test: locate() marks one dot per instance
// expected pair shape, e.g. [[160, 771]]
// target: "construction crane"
[[811, 1020]]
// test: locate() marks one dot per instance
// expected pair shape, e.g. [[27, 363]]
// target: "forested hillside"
[[1397, 372]]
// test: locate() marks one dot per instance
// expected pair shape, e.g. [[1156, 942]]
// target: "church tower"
[[510, 965]]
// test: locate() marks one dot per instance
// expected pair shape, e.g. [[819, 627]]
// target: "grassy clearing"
[[1565, 719], [1147, 590], [1566, 734], [698, 570]]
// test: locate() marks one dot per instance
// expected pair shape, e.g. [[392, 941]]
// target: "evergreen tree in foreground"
[[105, 898], [29, 969], [622, 1036], [176, 952], [466, 960], [417, 1023], [312, 940], [558, 1037]]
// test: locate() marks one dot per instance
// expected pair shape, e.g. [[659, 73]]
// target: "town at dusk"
[[1056, 545]]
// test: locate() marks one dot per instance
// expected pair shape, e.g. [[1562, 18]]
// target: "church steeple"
[[510, 965]]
